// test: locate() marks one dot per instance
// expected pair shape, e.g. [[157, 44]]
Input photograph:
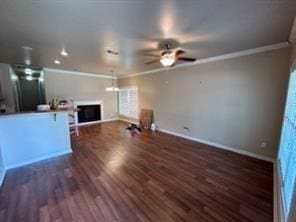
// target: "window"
[[128, 102], [287, 152]]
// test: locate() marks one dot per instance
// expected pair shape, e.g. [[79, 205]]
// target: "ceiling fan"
[[168, 57]]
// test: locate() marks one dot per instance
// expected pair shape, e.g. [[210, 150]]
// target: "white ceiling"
[[205, 28]]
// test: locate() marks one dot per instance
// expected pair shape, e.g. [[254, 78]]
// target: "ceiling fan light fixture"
[[167, 60]]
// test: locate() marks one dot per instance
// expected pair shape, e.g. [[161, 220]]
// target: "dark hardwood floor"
[[112, 176]]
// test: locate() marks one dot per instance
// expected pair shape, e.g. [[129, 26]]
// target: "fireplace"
[[90, 111]]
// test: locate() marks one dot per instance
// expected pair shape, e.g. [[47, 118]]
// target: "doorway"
[[29, 89]]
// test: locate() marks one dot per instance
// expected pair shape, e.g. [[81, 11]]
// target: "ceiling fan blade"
[[179, 52], [186, 59], [153, 61], [147, 54]]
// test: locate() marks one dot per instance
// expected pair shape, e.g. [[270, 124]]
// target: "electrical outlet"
[[263, 145], [185, 128]]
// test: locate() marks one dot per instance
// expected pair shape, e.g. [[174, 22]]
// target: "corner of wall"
[[129, 120]]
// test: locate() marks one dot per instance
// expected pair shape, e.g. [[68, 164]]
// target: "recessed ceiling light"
[[64, 53], [57, 62], [27, 62], [30, 78]]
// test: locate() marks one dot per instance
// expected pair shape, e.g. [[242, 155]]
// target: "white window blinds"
[[287, 153], [128, 102]]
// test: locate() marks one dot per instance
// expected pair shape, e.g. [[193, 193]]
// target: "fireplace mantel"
[[80, 103]]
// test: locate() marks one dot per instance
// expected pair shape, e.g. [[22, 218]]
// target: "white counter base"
[[28, 138]]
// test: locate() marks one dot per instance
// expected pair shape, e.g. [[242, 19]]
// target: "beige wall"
[[292, 39], [237, 102], [81, 87], [293, 57]]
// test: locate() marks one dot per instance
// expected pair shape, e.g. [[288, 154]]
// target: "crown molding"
[[215, 58], [197, 62], [79, 73]]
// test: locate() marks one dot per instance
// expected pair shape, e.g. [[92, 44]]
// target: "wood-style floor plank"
[[113, 176]]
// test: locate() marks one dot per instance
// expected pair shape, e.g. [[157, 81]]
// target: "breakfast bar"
[[32, 136]]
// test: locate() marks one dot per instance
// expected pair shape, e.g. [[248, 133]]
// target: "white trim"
[[197, 62], [77, 103], [2, 176], [217, 145], [110, 120], [215, 58], [78, 73], [129, 114], [127, 120], [29, 161], [89, 123], [87, 102], [97, 122]]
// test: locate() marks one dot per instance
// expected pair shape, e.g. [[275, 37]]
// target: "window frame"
[[285, 211], [129, 88]]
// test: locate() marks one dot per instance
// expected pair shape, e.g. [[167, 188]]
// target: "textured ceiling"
[[133, 27]]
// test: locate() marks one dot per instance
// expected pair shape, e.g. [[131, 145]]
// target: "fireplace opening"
[[89, 113]]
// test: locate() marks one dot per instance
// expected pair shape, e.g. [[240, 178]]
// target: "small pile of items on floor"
[[134, 129], [146, 118]]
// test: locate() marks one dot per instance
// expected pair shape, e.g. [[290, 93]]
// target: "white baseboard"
[[96, 122], [129, 120], [217, 145], [109, 120], [29, 161], [278, 208]]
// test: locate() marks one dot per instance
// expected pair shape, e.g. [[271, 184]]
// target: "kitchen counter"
[[38, 112], [28, 137]]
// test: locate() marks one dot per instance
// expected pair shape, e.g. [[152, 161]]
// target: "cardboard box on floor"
[[146, 118]]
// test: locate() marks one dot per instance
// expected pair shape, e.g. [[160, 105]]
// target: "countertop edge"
[[34, 113]]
